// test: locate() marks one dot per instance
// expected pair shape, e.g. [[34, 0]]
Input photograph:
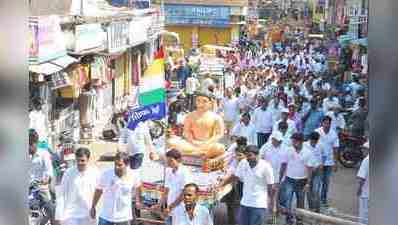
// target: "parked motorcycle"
[[40, 211], [351, 152]]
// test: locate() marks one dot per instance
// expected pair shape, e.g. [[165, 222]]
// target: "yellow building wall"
[[185, 33], [206, 35], [215, 36]]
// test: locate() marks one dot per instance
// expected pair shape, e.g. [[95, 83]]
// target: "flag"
[[152, 86]]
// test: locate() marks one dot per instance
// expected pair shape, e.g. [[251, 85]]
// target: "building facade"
[[205, 22]]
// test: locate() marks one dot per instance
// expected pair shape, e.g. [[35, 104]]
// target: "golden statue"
[[203, 130]]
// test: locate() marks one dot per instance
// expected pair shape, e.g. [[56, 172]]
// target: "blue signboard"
[[217, 16], [155, 111]]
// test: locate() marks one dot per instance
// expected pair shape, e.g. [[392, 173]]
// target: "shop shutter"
[[185, 33], [215, 36]]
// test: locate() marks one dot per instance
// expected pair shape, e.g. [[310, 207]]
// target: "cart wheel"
[[220, 214]]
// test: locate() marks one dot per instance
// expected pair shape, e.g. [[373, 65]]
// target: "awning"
[[53, 66]]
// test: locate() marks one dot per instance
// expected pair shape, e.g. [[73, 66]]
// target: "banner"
[[149, 112], [198, 15]]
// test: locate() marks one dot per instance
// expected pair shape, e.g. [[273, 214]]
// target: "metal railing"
[[310, 218]]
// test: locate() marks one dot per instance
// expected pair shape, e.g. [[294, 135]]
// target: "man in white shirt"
[[290, 123], [137, 143], [275, 153], [298, 168], [263, 121], [286, 137], [232, 199], [330, 102], [177, 176], [258, 191], [275, 107], [363, 188], [230, 105], [192, 86], [76, 192], [314, 194], [117, 186], [329, 141], [338, 121], [245, 129], [190, 212]]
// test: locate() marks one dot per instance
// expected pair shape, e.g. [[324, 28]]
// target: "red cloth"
[[160, 53]]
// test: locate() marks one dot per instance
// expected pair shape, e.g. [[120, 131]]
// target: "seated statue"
[[203, 130]]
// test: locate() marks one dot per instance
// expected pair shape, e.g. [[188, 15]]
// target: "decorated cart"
[[206, 174]]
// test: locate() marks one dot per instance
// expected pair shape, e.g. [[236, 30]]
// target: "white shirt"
[[317, 153], [201, 216], [255, 183], [297, 163], [230, 158], [192, 85], [76, 193], [231, 109], [136, 138], [117, 195], [286, 141], [40, 167], [249, 132], [329, 103], [175, 182], [337, 121], [363, 173], [206, 84], [275, 111], [328, 142], [263, 120], [275, 156], [291, 126]]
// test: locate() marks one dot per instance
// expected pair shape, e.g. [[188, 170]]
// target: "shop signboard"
[[89, 36], [215, 16], [46, 40], [117, 36], [139, 30]]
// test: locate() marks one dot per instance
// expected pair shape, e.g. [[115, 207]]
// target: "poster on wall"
[[46, 41]]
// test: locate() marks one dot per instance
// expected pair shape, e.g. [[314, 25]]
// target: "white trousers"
[[80, 221], [363, 210]]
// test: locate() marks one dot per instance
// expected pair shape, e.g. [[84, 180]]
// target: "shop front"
[[199, 25]]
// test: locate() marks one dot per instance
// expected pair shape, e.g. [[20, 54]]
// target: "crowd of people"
[[289, 108], [281, 122]]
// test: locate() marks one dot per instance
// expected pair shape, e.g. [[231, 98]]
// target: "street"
[[245, 96]]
